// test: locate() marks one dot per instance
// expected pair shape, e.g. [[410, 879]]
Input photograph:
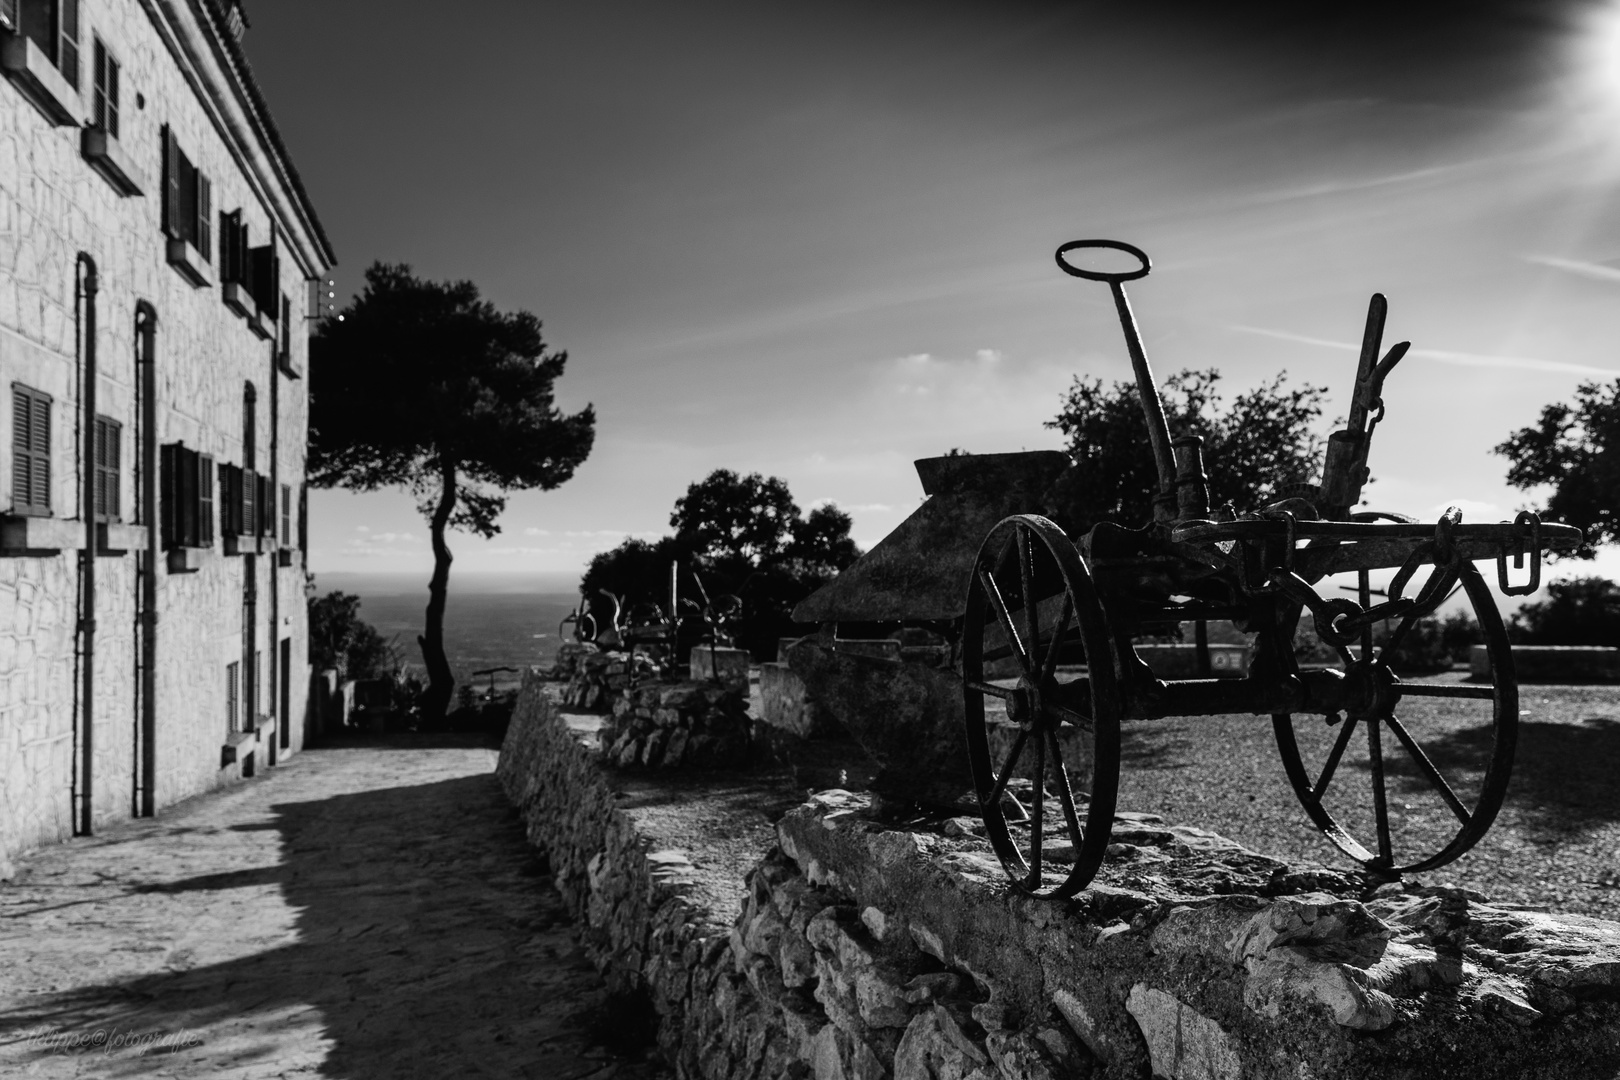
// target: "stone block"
[[727, 665], [1182, 1043], [785, 704]]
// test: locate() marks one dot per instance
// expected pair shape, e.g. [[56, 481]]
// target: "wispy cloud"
[[1595, 271], [1444, 356], [1339, 187]]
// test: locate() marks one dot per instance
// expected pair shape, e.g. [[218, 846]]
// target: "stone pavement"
[[363, 912]]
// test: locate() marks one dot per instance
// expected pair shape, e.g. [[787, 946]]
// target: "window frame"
[[105, 89], [187, 482]]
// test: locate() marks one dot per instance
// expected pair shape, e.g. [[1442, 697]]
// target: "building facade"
[[158, 268]]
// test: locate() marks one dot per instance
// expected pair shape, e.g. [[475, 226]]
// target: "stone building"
[[157, 258]]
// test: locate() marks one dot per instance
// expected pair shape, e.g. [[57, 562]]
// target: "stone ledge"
[[858, 950]]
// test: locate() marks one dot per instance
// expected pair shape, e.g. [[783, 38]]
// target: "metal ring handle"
[[1098, 275]]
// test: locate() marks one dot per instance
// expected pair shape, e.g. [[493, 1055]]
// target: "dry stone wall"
[[859, 950]]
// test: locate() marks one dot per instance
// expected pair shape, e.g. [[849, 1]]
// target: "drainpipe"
[[273, 646], [146, 380], [87, 744]]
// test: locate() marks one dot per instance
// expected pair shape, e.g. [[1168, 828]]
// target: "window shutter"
[[112, 97], [303, 517], [67, 57], [249, 526], [204, 470], [171, 184], [39, 434], [168, 474], [22, 449], [267, 507], [286, 514], [205, 218], [8, 15]]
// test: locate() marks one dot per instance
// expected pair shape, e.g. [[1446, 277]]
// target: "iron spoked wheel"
[[1056, 753], [1414, 777]]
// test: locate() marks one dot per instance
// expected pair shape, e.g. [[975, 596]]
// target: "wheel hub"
[[1024, 708]]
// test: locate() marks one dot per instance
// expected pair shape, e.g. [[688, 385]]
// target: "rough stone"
[[1182, 1043]]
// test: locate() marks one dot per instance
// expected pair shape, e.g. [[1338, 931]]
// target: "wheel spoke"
[[1364, 594], [1437, 781], [1334, 755], [1375, 754], [1065, 794], [1049, 663], [1026, 585], [999, 606], [1447, 690], [1073, 716], [1007, 768], [1037, 814], [1005, 693]]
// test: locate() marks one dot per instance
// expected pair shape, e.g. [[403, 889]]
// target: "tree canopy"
[[426, 386], [1254, 449], [1576, 611], [1575, 449], [742, 535]]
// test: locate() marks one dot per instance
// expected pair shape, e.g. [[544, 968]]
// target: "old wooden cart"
[[1438, 751]]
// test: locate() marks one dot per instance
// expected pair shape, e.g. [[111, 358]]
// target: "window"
[[187, 212], [107, 70], [53, 25], [109, 449], [188, 497], [233, 697], [30, 451], [239, 498], [265, 500], [267, 278], [250, 426], [286, 515]]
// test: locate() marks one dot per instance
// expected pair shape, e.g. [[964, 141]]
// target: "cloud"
[[1444, 356], [1595, 271], [532, 531]]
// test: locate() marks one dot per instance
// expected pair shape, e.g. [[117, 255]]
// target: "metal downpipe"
[[90, 284], [146, 380]]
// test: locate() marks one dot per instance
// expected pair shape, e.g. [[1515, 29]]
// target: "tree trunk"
[[441, 683]]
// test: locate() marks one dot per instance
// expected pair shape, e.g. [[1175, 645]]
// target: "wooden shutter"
[[303, 517], [8, 15], [67, 56], [171, 184], [286, 514], [205, 218], [250, 523], [169, 494], [39, 432], [113, 72], [204, 469], [30, 451], [230, 500], [106, 466], [267, 506], [22, 450]]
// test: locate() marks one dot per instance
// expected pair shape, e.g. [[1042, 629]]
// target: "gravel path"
[[1555, 843], [363, 913]]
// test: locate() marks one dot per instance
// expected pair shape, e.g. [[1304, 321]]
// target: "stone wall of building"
[[53, 206], [865, 951]]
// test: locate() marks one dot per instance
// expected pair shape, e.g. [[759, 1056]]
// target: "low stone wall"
[[671, 725], [1555, 663], [859, 950]]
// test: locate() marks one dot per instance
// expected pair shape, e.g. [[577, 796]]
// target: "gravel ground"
[[1555, 843]]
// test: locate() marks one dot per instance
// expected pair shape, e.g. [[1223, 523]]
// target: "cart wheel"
[[1031, 595], [1427, 802]]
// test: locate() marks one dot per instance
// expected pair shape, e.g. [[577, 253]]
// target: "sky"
[[815, 240]]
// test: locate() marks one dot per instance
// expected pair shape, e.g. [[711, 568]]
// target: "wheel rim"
[[1059, 772], [1415, 779]]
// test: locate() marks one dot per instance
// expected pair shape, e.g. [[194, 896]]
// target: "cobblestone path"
[[362, 912]]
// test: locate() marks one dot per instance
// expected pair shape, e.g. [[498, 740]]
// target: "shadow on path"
[[426, 941]]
